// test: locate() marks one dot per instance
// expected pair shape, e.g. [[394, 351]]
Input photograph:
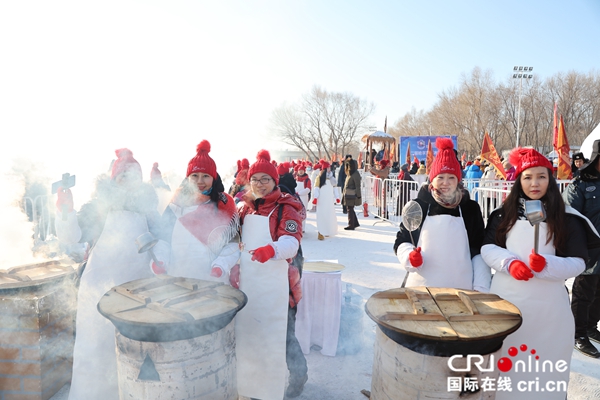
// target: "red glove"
[[263, 254], [216, 271], [295, 286], [234, 276], [520, 271], [415, 257], [64, 198], [337, 201], [537, 262], [314, 201], [158, 269]]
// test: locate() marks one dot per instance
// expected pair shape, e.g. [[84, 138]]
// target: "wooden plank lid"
[[443, 316], [166, 308], [32, 276]]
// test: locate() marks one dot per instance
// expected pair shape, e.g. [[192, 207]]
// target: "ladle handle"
[[153, 256], [536, 239]]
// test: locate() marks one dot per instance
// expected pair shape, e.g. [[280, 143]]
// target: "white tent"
[[588, 143]]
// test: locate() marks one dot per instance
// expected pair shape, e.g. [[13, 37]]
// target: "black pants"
[[352, 220], [585, 303], [296, 362]]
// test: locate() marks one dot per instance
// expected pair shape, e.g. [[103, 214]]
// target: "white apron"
[[548, 325], [114, 260], [446, 256], [261, 326], [190, 257], [326, 220]]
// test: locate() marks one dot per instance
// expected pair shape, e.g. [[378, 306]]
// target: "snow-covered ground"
[[370, 267]]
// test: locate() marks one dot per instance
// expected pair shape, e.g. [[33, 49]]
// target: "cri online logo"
[[505, 364]]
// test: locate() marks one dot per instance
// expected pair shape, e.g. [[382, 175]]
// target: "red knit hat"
[[263, 164], [242, 177], [283, 168], [202, 161], [445, 161], [245, 163], [523, 159], [124, 162], [384, 163]]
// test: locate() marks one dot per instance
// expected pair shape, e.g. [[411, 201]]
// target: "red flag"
[[386, 154], [563, 149], [416, 160], [408, 153], [488, 152], [555, 131], [429, 158]]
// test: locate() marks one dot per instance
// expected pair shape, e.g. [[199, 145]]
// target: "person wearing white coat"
[[121, 209], [325, 195], [534, 281], [200, 225], [447, 242]]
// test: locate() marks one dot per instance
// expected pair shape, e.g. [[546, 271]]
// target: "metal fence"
[[386, 197]]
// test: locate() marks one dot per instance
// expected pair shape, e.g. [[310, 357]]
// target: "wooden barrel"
[[175, 337], [426, 336], [38, 303], [444, 321]]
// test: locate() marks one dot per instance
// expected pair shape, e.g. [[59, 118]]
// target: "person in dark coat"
[[351, 194], [583, 194], [341, 179], [578, 161], [404, 190]]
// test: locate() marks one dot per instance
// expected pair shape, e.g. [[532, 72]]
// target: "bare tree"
[[478, 104], [323, 124]]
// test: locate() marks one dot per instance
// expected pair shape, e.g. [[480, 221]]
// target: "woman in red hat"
[[535, 281], [122, 208], [265, 328], [200, 225], [448, 240], [303, 188]]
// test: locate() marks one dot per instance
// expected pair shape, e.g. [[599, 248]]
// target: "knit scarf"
[[450, 200]]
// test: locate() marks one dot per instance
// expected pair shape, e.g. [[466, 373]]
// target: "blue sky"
[[159, 76]]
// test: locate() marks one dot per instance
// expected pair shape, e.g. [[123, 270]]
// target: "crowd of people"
[[250, 237]]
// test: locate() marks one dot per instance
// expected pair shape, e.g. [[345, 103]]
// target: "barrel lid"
[[322, 266], [35, 275], [167, 308], [443, 314]]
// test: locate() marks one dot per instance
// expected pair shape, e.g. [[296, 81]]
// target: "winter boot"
[[320, 237], [583, 345]]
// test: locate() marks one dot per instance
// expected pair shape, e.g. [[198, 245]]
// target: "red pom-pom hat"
[[523, 159], [445, 161], [263, 164], [202, 163], [124, 162]]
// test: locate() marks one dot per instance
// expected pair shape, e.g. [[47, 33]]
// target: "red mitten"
[[216, 271], [537, 262], [337, 201], [314, 201], [234, 276], [415, 257], [263, 254], [295, 286], [520, 271], [158, 269], [64, 200]]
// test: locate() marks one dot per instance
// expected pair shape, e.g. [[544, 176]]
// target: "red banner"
[[408, 154], [488, 152], [562, 150], [429, 158]]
